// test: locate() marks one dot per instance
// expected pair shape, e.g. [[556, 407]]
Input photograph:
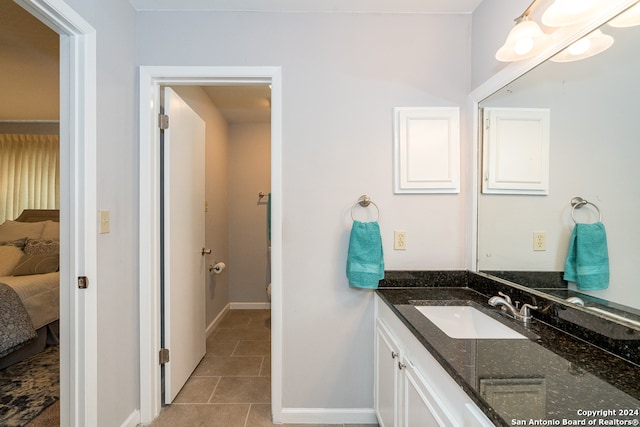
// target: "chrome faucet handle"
[[505, 296], [524, 311]]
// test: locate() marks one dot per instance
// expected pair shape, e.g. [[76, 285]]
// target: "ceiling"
[[249, 103], [342, 6]]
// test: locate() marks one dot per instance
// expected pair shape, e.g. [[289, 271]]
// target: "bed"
[[29, 284]]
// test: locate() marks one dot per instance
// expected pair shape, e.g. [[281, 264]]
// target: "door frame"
[[150, 80], [78, 237]]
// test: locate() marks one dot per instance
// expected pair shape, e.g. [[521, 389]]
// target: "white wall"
[[342, 75], [249, 174], [217, 194], [117, 174]]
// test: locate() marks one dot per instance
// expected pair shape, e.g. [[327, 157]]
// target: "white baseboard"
[[132, 420], [250, 305], [329, 416], [216, 321]]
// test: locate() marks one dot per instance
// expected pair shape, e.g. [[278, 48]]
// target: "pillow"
[[12, 230], [41, 247], [19, 243], [51, 230], [37, 264], [9, 258]]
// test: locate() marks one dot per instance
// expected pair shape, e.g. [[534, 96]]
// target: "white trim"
[[564, 37], [329, 416], [78, 308], [250, 305], [150, 79], [215, 322], [132, 420]]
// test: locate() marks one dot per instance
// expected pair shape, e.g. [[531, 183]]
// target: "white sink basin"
[[467, 323]]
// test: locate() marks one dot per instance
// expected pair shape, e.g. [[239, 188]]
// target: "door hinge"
[[163, 121], [163, 357], [83, 282]]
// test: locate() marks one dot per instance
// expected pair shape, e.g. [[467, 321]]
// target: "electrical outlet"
[[539, 241], [399, 240]]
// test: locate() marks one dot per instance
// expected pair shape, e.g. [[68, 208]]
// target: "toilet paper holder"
[[217, 268]]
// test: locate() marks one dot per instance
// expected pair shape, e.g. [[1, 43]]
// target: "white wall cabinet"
[[411, 388], [515, 147]]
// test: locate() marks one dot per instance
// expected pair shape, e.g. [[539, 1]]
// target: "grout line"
[[235, 348], [246, 420], [214, 390]]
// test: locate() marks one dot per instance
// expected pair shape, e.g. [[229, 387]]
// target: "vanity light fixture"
[[589, 45], [525, 40], [628, 18], [568, 12]]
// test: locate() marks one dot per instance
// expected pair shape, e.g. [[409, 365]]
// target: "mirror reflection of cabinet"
[[515, 157]]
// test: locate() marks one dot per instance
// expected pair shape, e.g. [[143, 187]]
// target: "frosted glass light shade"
[[590, 45], [628, 18], [569, 12], [525, 40]]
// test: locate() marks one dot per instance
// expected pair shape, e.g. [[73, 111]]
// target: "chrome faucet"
[[504, 302], [576, 301]]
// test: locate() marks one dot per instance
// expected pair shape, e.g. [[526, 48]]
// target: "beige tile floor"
[[231, 387]]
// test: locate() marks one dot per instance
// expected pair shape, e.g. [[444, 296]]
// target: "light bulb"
[[580, 47], [523, 46], [588, 46], [569, 12]]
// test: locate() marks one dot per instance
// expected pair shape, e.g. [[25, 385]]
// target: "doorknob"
[[205, 251]]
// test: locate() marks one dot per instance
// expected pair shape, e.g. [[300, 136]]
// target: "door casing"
[[150, 80]]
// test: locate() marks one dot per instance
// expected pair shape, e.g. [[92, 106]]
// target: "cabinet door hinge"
[[83, 282], [163, 121], [163, 357]]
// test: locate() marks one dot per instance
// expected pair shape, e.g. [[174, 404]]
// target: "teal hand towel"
[[365, 261], [588, 258]]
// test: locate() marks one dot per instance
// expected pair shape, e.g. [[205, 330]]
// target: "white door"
[[184, 237]]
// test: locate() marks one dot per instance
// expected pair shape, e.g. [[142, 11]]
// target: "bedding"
[[40, 295], [29, 260], [16, 328]]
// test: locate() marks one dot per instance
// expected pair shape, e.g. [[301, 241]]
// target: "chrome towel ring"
[[365, 201], [577, 203]]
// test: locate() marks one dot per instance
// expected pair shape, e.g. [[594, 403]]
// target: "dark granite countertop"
[[553, 376]]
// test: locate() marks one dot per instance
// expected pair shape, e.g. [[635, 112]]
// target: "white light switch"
[[104, 222]]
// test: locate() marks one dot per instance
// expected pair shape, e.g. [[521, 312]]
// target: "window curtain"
[[29, 173]]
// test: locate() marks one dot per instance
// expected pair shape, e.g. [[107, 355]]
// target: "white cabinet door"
[[421, 406], [515, 157], [387, 377]]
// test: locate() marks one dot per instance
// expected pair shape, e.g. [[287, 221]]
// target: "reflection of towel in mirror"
[[588, 259], [365, 261]]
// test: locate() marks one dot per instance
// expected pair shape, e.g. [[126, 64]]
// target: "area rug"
[[29, 387]]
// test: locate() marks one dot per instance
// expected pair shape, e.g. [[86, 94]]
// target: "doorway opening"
[[192, 78], [77, 235]]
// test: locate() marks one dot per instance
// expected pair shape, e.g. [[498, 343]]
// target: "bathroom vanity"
[[552, 373]]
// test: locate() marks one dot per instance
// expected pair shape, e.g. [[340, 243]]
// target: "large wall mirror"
[[594, 154]]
